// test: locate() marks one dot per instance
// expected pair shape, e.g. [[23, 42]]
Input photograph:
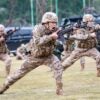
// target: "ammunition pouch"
[[87, 44]]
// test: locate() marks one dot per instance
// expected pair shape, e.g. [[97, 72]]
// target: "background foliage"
[[18, 12]]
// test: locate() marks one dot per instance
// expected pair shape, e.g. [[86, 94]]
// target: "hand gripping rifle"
[[61, 32]]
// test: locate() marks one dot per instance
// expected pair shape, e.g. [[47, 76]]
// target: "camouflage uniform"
[[20, 53], [69, 46], [41, 53], [4, 56], [85, 46]]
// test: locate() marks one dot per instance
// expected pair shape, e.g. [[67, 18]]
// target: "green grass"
[[40, 85]]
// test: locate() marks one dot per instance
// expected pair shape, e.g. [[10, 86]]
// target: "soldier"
[[4, 56], [20, 52], [43, 42], [69, 46], [85, 41]]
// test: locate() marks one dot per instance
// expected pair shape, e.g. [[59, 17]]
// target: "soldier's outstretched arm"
[[79, 37]]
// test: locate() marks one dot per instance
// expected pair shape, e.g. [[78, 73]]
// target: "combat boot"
[[59, 90], [98, 72], [3, 88]]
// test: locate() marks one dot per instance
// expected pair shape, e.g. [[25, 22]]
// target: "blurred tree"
[[40, 9], [11, 4], [18, 12]]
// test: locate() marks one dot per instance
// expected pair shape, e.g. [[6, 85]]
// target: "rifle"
[[68, 29], [84, 25], [78, 24], [11, 32]]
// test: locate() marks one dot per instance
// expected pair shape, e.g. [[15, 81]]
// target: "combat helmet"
[[49, 17], [88, 18], [2, 28]]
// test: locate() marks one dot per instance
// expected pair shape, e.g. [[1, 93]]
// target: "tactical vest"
[[88, 43]]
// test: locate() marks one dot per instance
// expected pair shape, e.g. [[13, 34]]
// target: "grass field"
[[40, 85]]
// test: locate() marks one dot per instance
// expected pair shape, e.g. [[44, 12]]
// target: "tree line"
[[18, 12]]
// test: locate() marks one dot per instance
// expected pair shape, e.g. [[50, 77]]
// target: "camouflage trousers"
[[66, 54], [78, 52], [7, 60], [31, 63]]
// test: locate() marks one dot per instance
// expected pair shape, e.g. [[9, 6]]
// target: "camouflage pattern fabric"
[[78, 52], [69, 46], [4, 56], [20, 52], [41, 54]]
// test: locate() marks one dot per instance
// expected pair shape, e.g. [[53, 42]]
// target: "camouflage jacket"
[[83, 39], [3, 46], [42, 44]]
